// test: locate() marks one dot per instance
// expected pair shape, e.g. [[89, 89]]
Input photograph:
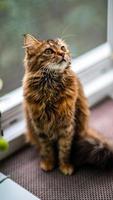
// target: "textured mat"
[[85, 184]]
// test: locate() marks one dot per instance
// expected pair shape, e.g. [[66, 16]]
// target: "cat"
[[57, 111]]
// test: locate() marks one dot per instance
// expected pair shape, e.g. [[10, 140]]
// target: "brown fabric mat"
[[85, 184]]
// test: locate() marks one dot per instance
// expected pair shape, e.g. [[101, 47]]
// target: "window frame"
[[93, 62]]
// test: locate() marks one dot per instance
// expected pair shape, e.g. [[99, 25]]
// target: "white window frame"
[[90, 67]]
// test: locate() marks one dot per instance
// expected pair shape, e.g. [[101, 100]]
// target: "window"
[[81, 23], [85, 25]]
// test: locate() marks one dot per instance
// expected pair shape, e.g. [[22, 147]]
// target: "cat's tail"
[[94, 149]]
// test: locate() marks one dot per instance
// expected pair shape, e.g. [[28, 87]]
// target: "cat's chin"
[[58, 67]]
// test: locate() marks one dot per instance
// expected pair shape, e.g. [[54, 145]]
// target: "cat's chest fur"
[[51, 98], [51, 87]]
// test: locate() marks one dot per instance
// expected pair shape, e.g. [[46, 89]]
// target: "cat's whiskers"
[[66, 29], [67, 36]]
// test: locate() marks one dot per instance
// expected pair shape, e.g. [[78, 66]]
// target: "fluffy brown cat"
[[56, 109]]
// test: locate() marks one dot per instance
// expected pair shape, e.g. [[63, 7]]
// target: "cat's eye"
[[63, 48], [48, 51]]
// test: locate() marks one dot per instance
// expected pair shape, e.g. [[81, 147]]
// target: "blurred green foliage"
[[81, 23], [3, 144]]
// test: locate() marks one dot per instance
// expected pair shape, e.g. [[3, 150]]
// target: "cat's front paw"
[[46, 165], [66, 169]]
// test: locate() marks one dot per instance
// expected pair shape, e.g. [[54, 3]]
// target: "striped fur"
[[56, 109]]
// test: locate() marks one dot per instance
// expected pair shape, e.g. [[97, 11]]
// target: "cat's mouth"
[[62, 60]]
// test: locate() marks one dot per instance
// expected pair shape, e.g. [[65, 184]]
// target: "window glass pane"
[[82, 24]]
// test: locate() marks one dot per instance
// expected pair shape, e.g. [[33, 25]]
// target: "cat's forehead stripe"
[[51, 42], [56, 43]]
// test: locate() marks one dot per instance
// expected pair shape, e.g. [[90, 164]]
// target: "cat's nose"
[[61, 54], [62, 57]]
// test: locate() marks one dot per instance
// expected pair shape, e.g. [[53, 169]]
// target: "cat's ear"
[[30, 42]]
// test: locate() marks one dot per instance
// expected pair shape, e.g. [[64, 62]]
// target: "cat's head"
[[46, 54]]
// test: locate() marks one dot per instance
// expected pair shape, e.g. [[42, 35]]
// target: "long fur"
[[94, 150], [56, 109]]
